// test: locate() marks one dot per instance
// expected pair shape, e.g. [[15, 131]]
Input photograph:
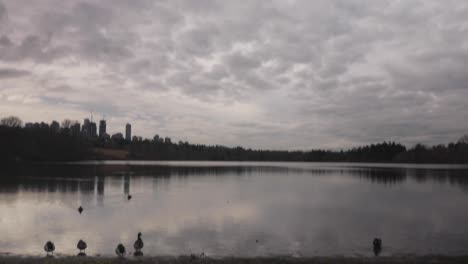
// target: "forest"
[[51, 143]]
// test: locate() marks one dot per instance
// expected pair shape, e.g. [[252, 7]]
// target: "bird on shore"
[[138, 245], [80, 209], [377, 243], [81, 246], [120, 250], [49, 247]]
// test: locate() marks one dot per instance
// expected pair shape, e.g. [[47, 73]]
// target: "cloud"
[[3, 12], [303, 74], [12, 73]]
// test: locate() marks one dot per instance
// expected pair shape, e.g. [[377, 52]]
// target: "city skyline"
[[90, 129], [87, 128], [268, 75]]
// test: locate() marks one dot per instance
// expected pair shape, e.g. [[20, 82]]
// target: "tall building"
[[85, 128], [128, 132], [93, 127], [102, 128], [88, 129]]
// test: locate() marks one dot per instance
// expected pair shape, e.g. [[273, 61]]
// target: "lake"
[[235, 208]]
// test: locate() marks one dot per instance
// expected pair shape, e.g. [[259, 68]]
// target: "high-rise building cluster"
[[90, 130]]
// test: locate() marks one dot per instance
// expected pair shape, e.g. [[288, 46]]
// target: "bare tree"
[[11, 121], [66, 123]]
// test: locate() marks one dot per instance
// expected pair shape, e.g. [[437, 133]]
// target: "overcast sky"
[[263, 74]]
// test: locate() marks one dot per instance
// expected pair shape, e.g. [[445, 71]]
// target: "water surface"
[[236, 209]]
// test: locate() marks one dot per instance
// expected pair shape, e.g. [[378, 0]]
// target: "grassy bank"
[[273, 260]]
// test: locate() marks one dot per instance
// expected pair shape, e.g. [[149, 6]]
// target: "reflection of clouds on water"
[[249, 211]]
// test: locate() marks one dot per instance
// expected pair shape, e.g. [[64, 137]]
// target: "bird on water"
[[81, 245], [138, 245], [129, 197], [377, 243], [120, 250], [49, 247], [80, 209]]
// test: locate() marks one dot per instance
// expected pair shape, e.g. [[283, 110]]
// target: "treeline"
[[52, 143], [22, 145], [382, 152]]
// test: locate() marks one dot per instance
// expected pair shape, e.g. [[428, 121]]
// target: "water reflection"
[[263, 209], [89, 178]]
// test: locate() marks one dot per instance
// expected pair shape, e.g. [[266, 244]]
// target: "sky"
[[279, 74]]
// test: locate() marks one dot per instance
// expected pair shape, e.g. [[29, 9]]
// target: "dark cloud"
[[3, 13], [5, 41], [12, 73]]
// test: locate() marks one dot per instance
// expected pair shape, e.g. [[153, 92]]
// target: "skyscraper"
[[128, 132], [93, 130], [86, 127], [102, 128], [89, 129]]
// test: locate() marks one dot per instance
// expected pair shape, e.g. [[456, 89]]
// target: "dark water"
[[241, 209]]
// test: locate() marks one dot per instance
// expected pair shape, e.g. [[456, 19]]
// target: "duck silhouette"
[[129, 197], [120, 250], [49, 247], [82, 247], [138, 245], [377, 244]]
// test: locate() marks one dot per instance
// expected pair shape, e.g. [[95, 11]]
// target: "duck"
[[377, 243], [81, 245], [80, 209], [129, 197], [49, 247], [120, 250], [138, 245]]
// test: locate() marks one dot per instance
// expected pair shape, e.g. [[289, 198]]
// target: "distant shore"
[[44, 143], [235, 260]]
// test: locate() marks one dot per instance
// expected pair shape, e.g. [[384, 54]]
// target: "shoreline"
[[231, 260]]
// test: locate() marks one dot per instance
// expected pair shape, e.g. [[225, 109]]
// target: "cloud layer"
[[264, 74]]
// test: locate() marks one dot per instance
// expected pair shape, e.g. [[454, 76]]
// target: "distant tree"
[[67, 123], [11, 121], [55, 126], [463, 139]]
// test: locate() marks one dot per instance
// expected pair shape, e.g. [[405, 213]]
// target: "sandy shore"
[[187, 259]]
